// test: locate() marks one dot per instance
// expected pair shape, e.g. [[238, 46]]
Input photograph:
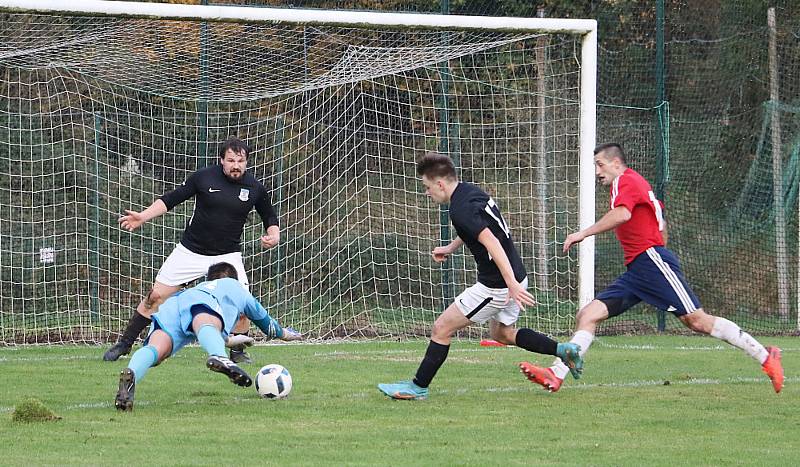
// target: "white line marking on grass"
[[358, 357], [46, 359], [84, 405], [346, 353], [602, 343], [391, 356], [679, 382], [95, 405], [420, 352], [522, 387], [627, 384], [655, 347]]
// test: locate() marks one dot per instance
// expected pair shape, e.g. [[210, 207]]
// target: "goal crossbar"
[[299, 16]]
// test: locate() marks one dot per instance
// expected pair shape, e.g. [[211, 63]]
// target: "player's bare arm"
[[516, 291], [272, 238], [441, 253], [610, 221], [132, 220]]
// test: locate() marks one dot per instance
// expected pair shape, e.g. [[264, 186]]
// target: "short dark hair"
[[236, 145], [220, 271], [435, 165], [612, 150]]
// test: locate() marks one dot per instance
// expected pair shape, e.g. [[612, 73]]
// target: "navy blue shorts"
[[653, 277]]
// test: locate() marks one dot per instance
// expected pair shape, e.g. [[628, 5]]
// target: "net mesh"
[[701, 132], [99, 115], [719, 159], [700, 129]]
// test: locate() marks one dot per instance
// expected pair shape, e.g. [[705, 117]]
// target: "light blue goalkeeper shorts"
[[175, 315]]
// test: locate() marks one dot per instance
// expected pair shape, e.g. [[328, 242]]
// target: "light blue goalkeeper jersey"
[[226, 298], [229, 298]]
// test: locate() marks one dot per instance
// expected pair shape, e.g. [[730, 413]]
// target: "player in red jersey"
[[653, 273]]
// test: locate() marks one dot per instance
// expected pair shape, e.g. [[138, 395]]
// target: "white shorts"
[[480, 304], [183, 266]]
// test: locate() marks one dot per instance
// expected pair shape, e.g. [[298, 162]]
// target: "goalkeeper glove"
[[290, 334]]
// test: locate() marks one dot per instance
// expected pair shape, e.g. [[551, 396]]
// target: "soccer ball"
[[273, 382]]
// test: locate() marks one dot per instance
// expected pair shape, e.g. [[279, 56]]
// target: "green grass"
[[717, 409]]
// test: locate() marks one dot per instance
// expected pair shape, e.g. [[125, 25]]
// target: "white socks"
[[722, 329], [730, 333], [583, 339]]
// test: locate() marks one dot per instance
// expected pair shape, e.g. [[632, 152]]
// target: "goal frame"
[[586, 28]]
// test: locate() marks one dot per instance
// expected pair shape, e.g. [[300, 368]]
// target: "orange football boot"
[[773, 368], [541, 376]]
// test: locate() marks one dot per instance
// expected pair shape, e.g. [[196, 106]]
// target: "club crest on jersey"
[[244, 194]]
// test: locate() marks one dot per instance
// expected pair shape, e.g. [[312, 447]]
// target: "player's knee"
[[591, 314], [694, 325], [441, 330], [203, 317], [150, 302], [146, 307], [699, 322]]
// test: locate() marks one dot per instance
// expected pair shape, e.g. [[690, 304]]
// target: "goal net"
[[100, 113]]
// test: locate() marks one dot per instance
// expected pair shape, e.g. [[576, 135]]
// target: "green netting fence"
[[685, 86]]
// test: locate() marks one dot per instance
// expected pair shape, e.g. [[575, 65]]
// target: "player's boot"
[[225, 366], [773, 368], [127, 386], [238, 343], [569, 353], [119, 349], [541, 376], [240, 356], [404, 390]]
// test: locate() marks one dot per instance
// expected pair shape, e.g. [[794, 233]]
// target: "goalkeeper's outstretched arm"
[[269, 325]]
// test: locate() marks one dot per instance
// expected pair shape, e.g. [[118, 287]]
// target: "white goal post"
[[398, 78], [173, 11]]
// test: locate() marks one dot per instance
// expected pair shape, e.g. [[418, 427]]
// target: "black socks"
[[135, 326], [533, 341], [434, 357]]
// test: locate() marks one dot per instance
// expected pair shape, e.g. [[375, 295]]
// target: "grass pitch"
[[655, 400]]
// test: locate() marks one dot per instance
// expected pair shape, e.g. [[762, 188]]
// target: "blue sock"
[[211, 340], [142, 360]]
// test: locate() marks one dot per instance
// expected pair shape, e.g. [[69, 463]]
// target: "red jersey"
[[643, 229]]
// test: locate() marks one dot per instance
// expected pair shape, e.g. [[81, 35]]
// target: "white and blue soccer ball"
[[273, 382]]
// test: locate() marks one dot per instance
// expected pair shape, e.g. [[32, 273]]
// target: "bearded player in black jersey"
[[498, 295], [224, 196]]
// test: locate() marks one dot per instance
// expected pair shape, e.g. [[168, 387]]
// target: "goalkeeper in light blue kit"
[[206, 313]]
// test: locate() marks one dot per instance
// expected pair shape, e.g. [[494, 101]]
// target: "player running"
[[502, 279], [653, 276]]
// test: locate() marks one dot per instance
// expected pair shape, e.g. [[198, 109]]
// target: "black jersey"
[[220, 210], [471, 211]]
